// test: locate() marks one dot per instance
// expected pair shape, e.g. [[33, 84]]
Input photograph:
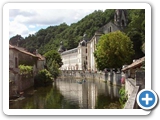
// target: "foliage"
[[106, 102], [25, 69], [136, 30], [43, 77], [54, 62], [123, 97], [113, 50], [53, 56], [54, 69], [16, 39]]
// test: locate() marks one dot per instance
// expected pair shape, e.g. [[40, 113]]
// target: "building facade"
[[19, 56], [82, 57]]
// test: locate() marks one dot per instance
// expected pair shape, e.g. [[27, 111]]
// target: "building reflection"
[[86, 94]]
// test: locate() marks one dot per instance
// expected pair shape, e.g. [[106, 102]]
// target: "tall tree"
[[54, 62], [53, 56], [136, 30], [113, 50]]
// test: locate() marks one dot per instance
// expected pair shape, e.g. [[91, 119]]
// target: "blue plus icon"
[[147, 99]]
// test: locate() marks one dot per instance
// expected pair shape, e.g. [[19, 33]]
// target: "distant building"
[[82, 57]]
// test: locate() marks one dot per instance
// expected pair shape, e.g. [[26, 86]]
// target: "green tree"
[[53, 56], [113, 50], [54, 62], [54, 69], [136, 30]]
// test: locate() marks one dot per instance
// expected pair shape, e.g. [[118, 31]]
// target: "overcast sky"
[[29, 21]]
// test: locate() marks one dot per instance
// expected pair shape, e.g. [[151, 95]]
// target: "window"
[[86, 57], [110, 29], [16, 62], [86, 50], [122, 22]]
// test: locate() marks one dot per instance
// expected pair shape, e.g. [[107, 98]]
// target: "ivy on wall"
[[25, 69]]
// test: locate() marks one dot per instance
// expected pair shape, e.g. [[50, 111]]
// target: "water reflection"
[[69, 94]]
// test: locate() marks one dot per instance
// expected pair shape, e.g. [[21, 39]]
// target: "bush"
[[123, 97], [25, 69], [43, 78]]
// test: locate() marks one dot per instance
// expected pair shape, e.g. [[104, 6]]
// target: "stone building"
[[131, 69], [82, 57], [19, 56]]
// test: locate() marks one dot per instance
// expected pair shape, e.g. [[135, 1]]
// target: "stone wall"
[[114, 78], [20, 83], [131, 102], [140, 79], [132, 87], [24, 82], [110, 27], [130, 84]]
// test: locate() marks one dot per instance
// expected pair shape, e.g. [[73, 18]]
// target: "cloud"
[[48, 16], [22, 21], [17, 28], [31, 26], [25, 12]]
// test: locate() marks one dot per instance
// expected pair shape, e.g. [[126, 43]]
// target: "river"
[[70, 94]]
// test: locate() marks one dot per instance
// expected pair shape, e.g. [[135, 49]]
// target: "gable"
[[109, 27]]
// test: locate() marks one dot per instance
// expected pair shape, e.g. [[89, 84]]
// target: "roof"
[[135, 64], [70, 51], [40, 57], [83, 43], [22, 50]]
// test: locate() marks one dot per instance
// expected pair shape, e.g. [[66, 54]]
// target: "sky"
[[29, 21]]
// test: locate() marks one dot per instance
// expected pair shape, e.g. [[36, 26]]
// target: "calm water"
[[70, 94]]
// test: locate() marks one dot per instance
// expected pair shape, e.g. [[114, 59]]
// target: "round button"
[[147, 99]]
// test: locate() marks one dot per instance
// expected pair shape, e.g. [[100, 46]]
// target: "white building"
[[82, 57]]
